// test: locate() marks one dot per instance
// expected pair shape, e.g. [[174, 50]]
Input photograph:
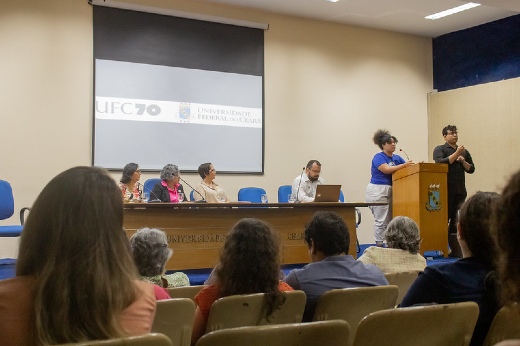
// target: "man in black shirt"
[[460, 162]]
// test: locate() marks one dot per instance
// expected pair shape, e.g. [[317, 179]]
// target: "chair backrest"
[[174, 318], [185, 292], [246, 310], [141, 340], [149, 184], [330, 333], [506, 325], [6, 200], [191, 196], [352, 304], [283, 193], [403, 281], [341, 196], [432, 325], [251, 194]]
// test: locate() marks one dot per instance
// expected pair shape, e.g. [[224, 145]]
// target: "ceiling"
[[406, 16]]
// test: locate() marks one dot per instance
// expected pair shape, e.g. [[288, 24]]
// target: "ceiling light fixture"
[[452, 11], [332, 0]]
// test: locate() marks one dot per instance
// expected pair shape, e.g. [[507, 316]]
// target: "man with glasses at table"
[[304, 186], [460, 162]]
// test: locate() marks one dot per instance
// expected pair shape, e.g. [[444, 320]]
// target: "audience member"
[[471, 278], [169, 190], [208, 188], [507, 230], [401, 254], [328, 239], [75, 275], [129, 183], [249, 263], [151, 252]]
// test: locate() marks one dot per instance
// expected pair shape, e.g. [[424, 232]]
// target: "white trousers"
[[382, 213]]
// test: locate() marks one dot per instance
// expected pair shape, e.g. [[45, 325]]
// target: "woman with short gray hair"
[[168, 190], [401, 254], [151, 252]]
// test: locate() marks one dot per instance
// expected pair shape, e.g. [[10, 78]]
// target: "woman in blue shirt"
[[380, 187]]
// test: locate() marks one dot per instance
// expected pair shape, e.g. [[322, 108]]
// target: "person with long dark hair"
[[129, 183], [249, 263], [379, 189], [471, 278], [75, 275]]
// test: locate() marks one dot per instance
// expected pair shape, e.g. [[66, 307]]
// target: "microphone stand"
[[191, 187], [405, 154], [157, 199], [299, 184]]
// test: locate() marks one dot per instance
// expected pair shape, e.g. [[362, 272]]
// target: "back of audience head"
[[150, 250], [403, 233], [74, 245], [329, 234], [250, 263], [475, 226], [507, 231]]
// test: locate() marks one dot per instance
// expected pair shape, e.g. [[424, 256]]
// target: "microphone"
[[299, 184], [156, 199], [191, 187], [405, 154]]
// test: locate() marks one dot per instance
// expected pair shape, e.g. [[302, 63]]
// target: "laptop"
[[327, 193]]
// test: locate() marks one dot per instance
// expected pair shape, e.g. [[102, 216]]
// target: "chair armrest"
[[22, 215]]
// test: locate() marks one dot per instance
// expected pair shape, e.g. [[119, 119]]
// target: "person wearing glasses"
[[304, 186], [208, 188], [129, 183], [169, 190], [460, 162]]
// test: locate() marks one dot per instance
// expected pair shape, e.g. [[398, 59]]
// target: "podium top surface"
[[420, 167], [192, 205]]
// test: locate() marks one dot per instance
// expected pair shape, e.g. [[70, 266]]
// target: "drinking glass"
[[181, 197], [146, 197], [263, 198], [289, 197]]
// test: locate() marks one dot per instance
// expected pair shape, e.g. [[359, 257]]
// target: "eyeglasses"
[[452, 133]]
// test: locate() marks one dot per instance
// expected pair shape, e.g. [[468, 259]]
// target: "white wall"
[[328, 87]]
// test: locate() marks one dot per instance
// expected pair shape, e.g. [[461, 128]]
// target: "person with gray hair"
[[401, 254], [151, 252], [168, 190]]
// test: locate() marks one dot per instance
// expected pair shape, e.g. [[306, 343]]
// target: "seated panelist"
[[168, 190], [208, 188], [129, 183]]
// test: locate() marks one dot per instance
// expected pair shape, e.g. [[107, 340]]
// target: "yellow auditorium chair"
[[142, 340], [174, 318], [505, 326], [403, 281], [329, 333], [185, 291], [246, 310], [431, 325], [352, 304]]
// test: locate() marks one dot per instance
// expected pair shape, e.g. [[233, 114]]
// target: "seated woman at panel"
[[151, 252], [248, 264], [129, 183], [401, 255], [168, 190], [471, 278], [75, 275], [208, 188]]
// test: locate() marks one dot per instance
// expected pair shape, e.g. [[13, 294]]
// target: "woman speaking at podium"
[[380, 187], [208, 188]]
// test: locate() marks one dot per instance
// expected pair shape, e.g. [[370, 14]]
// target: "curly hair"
[[506, 226], [150, 250], [169, 171], [451, 128], [329, 233], [382, 137], [403, 233], [129, 169], [249, 263]]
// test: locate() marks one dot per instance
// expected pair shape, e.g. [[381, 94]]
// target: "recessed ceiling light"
[[452, 11], [332, 0]]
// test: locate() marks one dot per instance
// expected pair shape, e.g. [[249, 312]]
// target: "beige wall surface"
[[328, 87], [487, 117]]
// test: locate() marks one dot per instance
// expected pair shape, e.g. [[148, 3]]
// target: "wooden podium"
[[420, 192]]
